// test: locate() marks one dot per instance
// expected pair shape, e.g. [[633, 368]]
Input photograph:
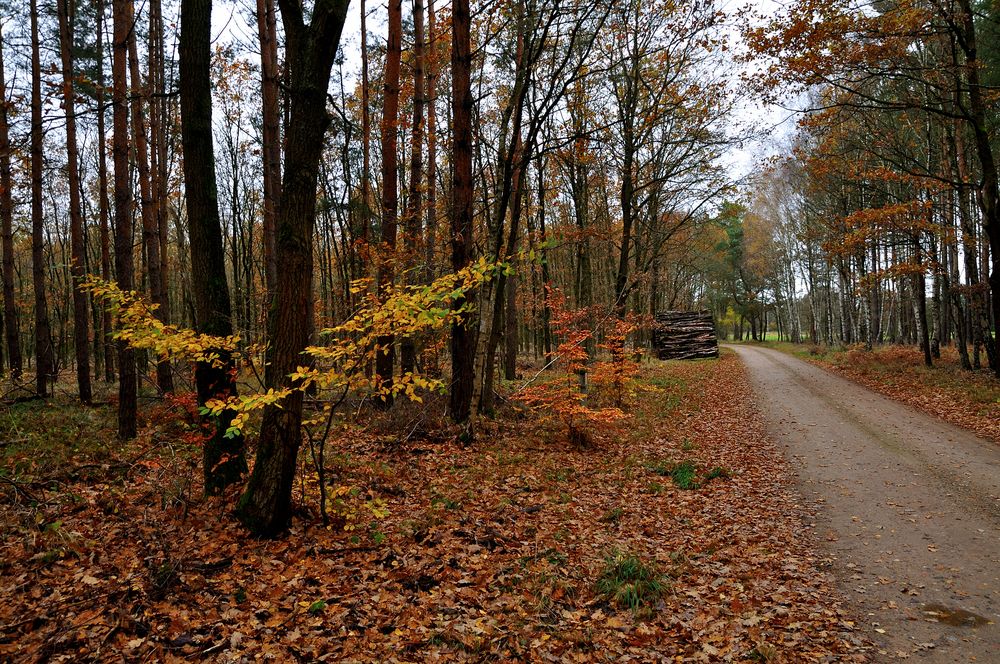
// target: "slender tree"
[[366, 133], [430, 88], [44, 354], [463, 341], [81, 323], [385, 362], [124, 261], [414, 201], [158, 158], [102, 194], [10, 314], [271, 132], [148, 202]]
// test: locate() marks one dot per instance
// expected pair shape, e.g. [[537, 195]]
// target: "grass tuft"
[[685, 475], [629, 583], [718, 473]]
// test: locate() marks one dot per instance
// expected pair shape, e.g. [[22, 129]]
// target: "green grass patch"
[[51, 438], [685, 475], [560, 474], [717, 473], [629, 583], [660, 467], [439, 500]]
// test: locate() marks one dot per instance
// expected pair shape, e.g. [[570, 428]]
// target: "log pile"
[[685, 335]]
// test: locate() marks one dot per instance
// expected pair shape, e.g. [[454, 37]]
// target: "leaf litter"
[[491, 552]]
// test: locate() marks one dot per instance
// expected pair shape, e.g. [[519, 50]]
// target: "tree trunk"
[[224, 458], [430, 233], [546, 276], [271, 134], [366, 141], [627, 192], [462, 336], [920, 302], [989, 193], [580, 189], [102, 192], [414, 202], [511, 325], [127, 382], [158, 117], [147, 203], [510, 164], [385, 361], [10, 313], [265, 506], [81, 323], [44, 359]]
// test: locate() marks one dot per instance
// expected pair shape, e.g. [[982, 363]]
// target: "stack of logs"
[[685, 335]]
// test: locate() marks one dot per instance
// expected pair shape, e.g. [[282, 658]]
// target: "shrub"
[[617, 375], [562, 397]]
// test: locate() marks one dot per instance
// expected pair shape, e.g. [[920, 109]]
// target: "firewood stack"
[[685, 335]]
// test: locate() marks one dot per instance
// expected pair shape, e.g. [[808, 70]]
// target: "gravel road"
[[907, 509]]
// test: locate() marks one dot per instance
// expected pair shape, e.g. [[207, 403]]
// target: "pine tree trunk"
[[366, 140], [462, 336], [158, 116], [989, 193], [124, 270], [385, 361], [10, 313], [920, 304], [147, 202], [81, 322], [430, 232], [414, 202], [102, 192], [44, 358], [271, 133]]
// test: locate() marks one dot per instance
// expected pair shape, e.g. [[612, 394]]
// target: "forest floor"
[[680, 537], [969, 399], [908, 508]]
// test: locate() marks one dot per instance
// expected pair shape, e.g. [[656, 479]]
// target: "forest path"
[[907, 507]]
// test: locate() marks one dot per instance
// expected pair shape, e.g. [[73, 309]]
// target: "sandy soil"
[[907, 509]]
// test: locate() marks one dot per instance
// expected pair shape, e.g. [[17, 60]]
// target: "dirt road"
[[907, 508]]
